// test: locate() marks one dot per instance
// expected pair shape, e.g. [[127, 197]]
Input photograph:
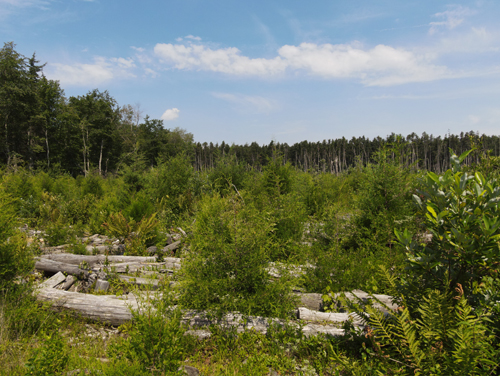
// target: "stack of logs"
[[73, 275]]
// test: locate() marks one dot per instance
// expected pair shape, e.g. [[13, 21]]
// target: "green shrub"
[[383, 203], [136, 235], [156, 337], [92, 185], [462, 214], [445, 337], [171, 182], [227, 172], [224, 269], [51, 359], [15, 258]]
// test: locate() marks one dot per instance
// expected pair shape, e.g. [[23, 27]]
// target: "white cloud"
[[453, 17], [225, 60], [381, 65], [170, 114], [254, 103], [474, 40], [192, 37], [102, 70], [151, 72]]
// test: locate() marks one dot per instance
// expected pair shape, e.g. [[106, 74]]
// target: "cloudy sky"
[[284, 70]]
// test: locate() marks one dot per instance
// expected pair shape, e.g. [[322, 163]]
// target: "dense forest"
[[395, 241], [42, 129]]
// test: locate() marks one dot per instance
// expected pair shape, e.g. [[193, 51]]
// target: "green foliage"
[[446, 337], [15, 258], [51, 359], [227, 174], [277, 176], [383, 203], [156, 338], [344, 270], [91, 185], [462, 214], [171, 183], [136, 235], [225, 267], [323, 191], [21, 316]]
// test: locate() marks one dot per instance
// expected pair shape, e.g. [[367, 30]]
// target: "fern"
[[443, 337], [135, 235]]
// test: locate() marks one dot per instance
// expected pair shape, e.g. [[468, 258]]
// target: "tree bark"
[[50, 266]]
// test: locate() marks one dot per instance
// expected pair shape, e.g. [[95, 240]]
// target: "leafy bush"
[[15, 258], [156, 337], [227, 172], [462, 214], [225, 267], [171, 182], [383, 203], [50, 359]]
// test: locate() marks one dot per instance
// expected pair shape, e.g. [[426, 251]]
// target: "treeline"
[[335, 156], [42, 129]]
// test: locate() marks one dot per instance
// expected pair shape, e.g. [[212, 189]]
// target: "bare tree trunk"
[[100, 158], [84, 153], [48, 150]]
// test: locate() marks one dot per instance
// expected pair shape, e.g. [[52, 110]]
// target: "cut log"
[[53, 281], [116, 311], [70, 258], [50, 266], [104, 308], [309, 315], [70, 280], [145, 282], [359, 295]]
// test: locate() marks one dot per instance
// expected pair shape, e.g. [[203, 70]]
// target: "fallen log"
[[116, 311], [70, 258], [50, 266], [309, 315], [103, 308], [142, 282], [381, 302]]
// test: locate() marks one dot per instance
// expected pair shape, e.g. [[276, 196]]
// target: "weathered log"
[[379, 301], [115, 310], [53, 281], [50, 266], [70, 280], [104, 308], [148, 282], [309, 315], [70, 258], [310, 300], [172, 247]]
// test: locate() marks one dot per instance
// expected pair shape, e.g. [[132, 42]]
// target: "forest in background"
[[43, 129]]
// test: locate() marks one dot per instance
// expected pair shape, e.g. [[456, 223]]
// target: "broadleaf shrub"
[[462, 214]]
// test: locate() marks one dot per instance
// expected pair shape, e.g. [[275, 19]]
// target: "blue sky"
[[288, 71]]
